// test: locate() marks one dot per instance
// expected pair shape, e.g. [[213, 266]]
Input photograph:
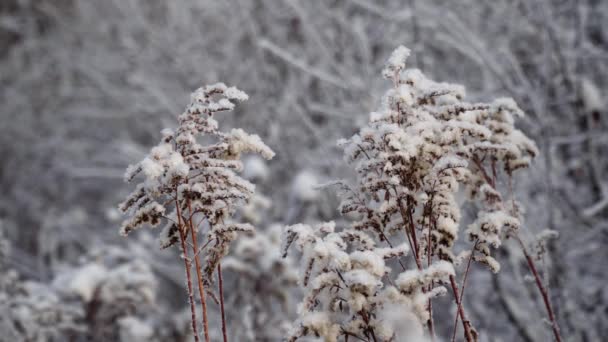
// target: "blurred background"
[[86, 87]]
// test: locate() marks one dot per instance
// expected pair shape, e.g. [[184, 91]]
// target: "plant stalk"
[[543, 290], [188, 273], [201, 286]]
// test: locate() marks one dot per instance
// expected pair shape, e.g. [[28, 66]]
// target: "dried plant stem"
[[429, 257], [182, 238], [201, 286], [410, 233], [221, 286], [366, 320], [413, 231], [411, 236], [543, 290], [462, 287], [466, 324], [483, 171]]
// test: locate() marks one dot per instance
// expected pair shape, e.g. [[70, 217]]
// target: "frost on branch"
[[422, 145]]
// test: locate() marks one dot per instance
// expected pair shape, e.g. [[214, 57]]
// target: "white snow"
[[592, 96], [396, 62], [241, 142], [304, 186]]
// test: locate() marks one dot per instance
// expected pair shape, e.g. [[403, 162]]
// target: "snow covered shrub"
[[418, 150], [343, 274], [32, 311], [262, 285], [190, 185], [112, 288]]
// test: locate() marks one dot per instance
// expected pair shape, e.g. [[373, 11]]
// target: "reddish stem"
[[483, 171], [201, 286], [462, 287], [413, 229], [543, 291], [429, 248], [411, 235], [465, 322], [188, 273], [408, 235]]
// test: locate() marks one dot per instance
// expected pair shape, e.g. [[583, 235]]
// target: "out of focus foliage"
[[86, 86]]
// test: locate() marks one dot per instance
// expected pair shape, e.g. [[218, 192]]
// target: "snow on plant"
[[422, 145], [33, 311], [343, 274], [190, 185], [270, 283], [121, 288]]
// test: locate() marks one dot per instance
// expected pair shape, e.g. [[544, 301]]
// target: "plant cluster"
[[421, 149], [192, 185], [423, 154]]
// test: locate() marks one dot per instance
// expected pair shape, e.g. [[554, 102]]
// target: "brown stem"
[[201, 286], [411, 237], [483, 171], [462, 287], [465, 322], [390, 244], [432, 223], [494, 172], [413, 228], [188, 273], [429, 256], [366, 320], [221, 285], [543, 290]]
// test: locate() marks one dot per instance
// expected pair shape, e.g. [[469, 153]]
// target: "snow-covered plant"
[[421, 146], [343, 274], [262, 284], [191, 184], [111, 290], [33, 311]]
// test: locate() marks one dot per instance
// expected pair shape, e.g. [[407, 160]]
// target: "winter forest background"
[[87, 86]]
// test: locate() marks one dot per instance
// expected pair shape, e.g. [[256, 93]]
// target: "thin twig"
[[462, 287], [201, 286], [188, 274], [543, 290], [465, 322], [429, 257]]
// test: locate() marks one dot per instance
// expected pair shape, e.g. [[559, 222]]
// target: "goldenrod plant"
[[193, 185]]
